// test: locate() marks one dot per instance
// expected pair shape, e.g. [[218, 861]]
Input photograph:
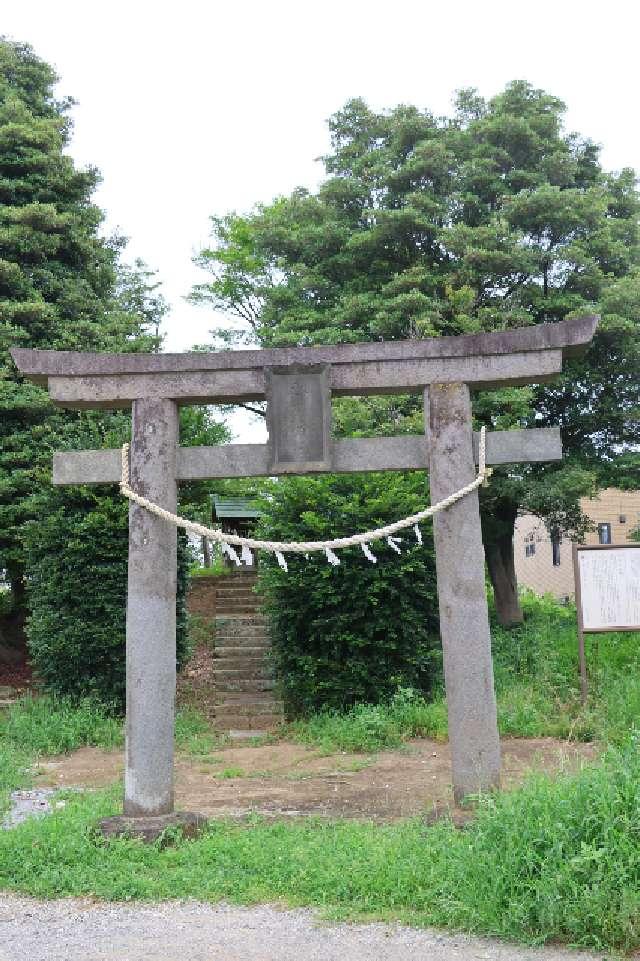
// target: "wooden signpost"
[[607, 581]]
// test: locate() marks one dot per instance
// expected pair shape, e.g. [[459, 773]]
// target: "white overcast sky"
[[194, 108]]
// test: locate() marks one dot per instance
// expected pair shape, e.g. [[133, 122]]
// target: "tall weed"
[[55, 725]]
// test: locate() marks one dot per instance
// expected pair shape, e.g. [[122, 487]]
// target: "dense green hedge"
[[77, 584], [356, 632]]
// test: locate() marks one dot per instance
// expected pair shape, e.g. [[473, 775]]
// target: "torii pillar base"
[[188, 825]]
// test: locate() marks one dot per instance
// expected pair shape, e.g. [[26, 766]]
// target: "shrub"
[[355, 632], [76, 556]]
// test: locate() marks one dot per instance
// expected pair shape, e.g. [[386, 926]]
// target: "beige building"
[[546, 567]]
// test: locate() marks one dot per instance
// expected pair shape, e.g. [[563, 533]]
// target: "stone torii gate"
[[298, 384]]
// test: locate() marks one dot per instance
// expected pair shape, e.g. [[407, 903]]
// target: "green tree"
[[62, 286], [493, 218], [76, 560], [353, 632], [138, 294]]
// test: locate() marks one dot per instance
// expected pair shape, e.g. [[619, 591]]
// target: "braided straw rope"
[[304, 547]]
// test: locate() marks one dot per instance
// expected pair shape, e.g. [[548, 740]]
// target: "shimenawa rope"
[[279, 548]]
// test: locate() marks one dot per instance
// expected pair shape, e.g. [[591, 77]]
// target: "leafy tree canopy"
[[493, 218], [62, 284]]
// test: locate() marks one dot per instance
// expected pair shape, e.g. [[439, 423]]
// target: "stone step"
[[233, 610], [241, 577], [258, 614], [258, 668], [247, 704], [242, 629], [249, 601], [236, 666], [235, 592], [236, 584], [235, 647], [245, 608], [234, 597], [235, 650], [248, 722], [243, 612], [235, 685], [241, 625], [237, 622], [236, 619], [260, 673]]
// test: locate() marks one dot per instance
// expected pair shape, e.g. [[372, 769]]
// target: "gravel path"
[[83, 930]]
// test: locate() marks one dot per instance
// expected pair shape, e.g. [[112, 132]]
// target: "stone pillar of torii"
[[298, 384]]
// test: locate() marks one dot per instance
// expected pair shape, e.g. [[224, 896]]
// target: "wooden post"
[[582, 660], [464, 616]]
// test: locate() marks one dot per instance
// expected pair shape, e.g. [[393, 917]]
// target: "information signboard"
[[607, 580]]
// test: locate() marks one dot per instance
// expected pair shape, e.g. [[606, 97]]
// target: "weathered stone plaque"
[[299, 418]]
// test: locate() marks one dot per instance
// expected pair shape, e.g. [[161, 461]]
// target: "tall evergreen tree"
[[425, 226], [61, 284]]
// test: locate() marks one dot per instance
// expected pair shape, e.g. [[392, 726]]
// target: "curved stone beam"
[[570, 336]]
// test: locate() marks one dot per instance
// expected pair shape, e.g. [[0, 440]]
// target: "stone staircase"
[[8, 696], [245, 702]]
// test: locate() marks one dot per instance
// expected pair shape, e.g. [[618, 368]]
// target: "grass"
[[35, 727], [537, 689], [218, 568], [194, 735], [14, 771], [47, 725], [537, 677], [369, 728], [554, 861]]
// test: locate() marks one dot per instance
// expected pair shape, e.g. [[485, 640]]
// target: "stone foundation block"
[[149, 829]]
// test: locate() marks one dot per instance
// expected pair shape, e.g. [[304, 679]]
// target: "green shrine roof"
[[234, 507]]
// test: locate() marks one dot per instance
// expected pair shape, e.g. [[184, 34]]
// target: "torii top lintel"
[[512, 357]]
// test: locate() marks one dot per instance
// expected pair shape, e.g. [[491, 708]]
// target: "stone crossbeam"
[[118, 391], [570, 336], [348, 456], [483, 361]]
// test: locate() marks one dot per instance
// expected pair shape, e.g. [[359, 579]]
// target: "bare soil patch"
[[286, 779]]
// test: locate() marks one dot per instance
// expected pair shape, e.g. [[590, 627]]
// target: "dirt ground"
[[286, 779]]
